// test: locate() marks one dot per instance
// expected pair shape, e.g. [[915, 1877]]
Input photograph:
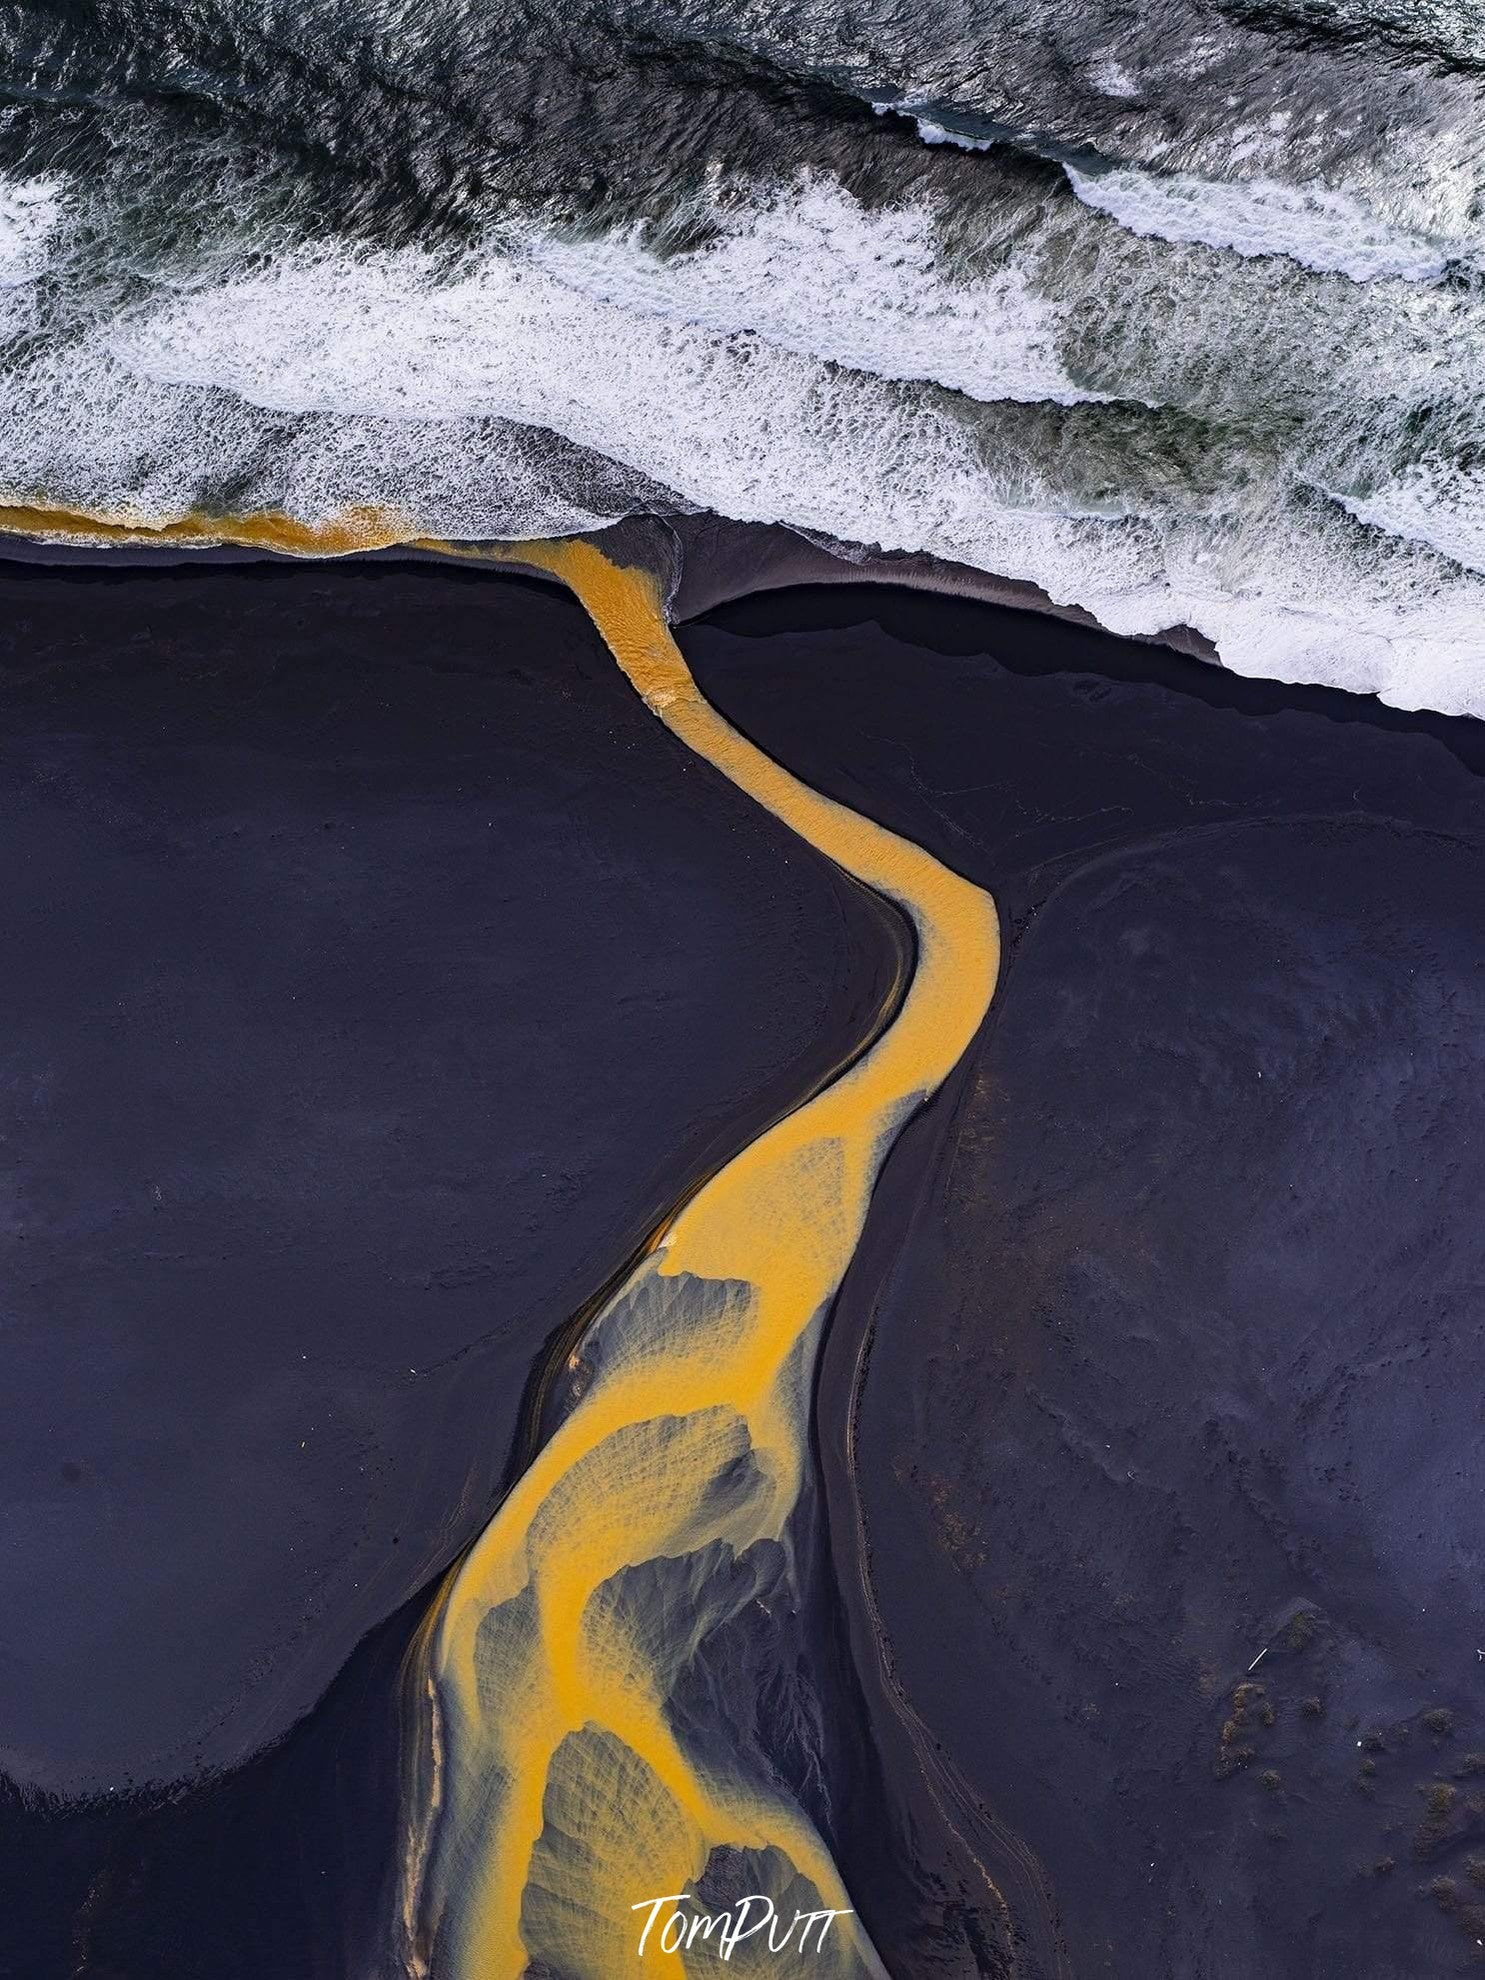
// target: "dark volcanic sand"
[[1169, 1309], [1166, 1362], [378, 973]]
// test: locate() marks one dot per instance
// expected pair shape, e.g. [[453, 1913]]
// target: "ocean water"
[[1179, 314]]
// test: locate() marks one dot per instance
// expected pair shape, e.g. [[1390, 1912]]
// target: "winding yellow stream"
[[555, 1785], [560, 1789]]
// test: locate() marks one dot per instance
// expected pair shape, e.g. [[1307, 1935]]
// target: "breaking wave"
[[1172, 331]]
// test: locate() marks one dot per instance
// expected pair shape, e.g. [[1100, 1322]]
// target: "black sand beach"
[[1162, 1355], [379, 975], [359, 895], [701, 1196]]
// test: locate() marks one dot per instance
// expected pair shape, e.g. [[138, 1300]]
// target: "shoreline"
[[766, 579], [701, 561]]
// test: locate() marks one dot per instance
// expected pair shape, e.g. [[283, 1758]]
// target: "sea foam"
[[836, 369], [31, 212], [816, 272], [1329, 231]]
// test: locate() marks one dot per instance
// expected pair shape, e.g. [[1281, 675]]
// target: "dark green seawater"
[[1176, 313]]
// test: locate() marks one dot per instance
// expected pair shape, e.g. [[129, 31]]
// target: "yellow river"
[[561, 1793], [553, 1787]]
